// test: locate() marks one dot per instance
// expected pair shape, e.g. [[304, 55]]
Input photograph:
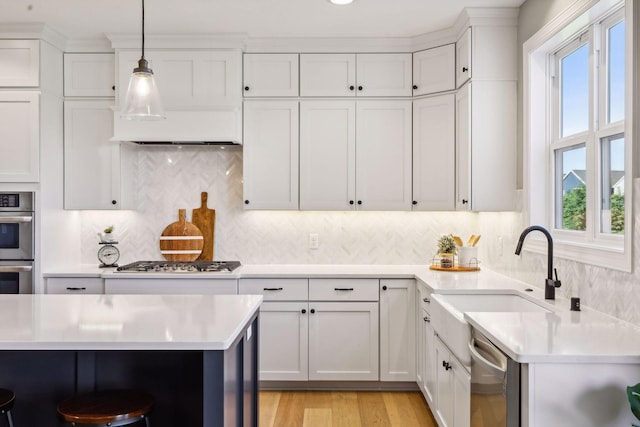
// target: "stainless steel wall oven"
[[17, 235]]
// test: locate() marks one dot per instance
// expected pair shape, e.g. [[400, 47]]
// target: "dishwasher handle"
[[485, 354]]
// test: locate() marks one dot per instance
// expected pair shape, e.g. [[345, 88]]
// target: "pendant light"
[[142, 101]]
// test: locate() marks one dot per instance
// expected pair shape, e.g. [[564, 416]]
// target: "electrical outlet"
[[314, 241]]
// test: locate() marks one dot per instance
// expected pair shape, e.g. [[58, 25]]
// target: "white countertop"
[[123, 322], [560, 336]]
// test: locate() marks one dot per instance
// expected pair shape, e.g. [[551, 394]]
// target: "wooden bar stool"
[[7, 397], [107, 408]]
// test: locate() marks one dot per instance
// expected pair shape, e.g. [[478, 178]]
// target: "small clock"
[[108, 255]]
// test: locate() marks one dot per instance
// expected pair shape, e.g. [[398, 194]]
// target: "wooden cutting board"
[[181, 240], [205, 219]]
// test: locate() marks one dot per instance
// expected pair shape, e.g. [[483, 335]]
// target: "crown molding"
[[328, 44], [28, 31], [178, 41], [89, 46], [486, 16]]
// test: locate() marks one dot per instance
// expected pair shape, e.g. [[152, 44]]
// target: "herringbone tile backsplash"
[[172, 178]]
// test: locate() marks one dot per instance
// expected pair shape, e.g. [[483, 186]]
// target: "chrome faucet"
[[550, 284]]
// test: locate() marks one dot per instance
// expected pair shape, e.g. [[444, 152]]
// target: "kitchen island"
[[197, 354]]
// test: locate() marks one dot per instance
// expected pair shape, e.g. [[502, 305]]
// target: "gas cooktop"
[[179, 267]]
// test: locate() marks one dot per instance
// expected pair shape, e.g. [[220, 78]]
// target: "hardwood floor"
[[344, 409]]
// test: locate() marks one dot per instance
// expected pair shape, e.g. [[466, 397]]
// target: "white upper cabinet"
[[463, 148], [366, 74], [89, 74], [19, 136], [434, 70], [383, 155], [324, 74], [463, 58], [270, 74], [434, 171], [270, 160], [19, 63]]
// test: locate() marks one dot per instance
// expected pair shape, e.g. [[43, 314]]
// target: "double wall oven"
[[16, 242]]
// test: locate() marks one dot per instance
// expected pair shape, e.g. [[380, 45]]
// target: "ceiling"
[[89, 19]]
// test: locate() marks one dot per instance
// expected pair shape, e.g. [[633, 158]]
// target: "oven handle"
[[497, 370], [15, 268], [12, 219]]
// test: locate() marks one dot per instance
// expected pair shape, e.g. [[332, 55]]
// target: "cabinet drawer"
[[276, 289], [79, 285], [343, 290]]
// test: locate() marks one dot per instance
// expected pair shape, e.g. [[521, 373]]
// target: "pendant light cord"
[[142, 29]]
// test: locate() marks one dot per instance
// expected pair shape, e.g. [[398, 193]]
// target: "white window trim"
[[605, 252]]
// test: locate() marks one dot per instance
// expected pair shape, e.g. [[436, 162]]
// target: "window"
[[575, 130]]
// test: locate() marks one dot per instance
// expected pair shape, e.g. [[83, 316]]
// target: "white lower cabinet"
[[397, 330], [453, 388], [425, 342], [343, 341], [161, 286], [74, 285]]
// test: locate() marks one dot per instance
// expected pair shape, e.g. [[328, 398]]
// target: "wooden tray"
[[454, 268]]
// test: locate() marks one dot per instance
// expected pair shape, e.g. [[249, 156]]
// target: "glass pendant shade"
[[142, 101]]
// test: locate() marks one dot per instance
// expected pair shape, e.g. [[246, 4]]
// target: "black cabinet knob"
[[384, 288], [313, 310], [359, 87], [465, 201], [426, 319], [114, 202], [415, 87], [359, 202], [351, 202], [465, 69], [246, 202], [414, 202], [246, 88], [113, 87], [352, 87], [304, 311]]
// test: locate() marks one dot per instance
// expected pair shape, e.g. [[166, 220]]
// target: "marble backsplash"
[[170, 178]]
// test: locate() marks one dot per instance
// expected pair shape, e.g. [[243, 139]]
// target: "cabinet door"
[[270, 154], [420, 348], [188, 78], [444, 385], [89, 74], [429, 362], [327, 155], [434, 70], [461, 383], [383, 155], [385, 74], [327, 74], [397, 330], [463, 58], [91, 160], [19, 136], [343, 341], [434, 172], [270, 74], [284, 341], [463, 148], [19, 63]]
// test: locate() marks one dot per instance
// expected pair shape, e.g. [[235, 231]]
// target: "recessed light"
[[340, 2]]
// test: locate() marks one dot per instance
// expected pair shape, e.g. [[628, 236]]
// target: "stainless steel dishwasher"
[[495, 385]]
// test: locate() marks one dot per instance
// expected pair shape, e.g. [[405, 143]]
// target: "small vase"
[[446, 260]]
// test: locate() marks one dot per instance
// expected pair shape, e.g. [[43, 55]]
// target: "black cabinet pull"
[[352, 87], [351, 202], [415, 202], [272, 289], [415, 87], [447, 366], [465, 201], [113, 202], [246, 202], [384, 288], [246, 88], [342, 289], [360, 88], [465, 69], [359, 202], [427, 300], [113, 87], [76, 289], [426, 319], [304, 311], [313, 310]]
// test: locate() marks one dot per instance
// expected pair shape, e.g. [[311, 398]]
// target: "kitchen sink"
[[447, 316]]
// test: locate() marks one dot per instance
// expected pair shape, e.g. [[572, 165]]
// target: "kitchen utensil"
[[458, 240], [470, 240], [205, 219], [476, 237], [181, 240]]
